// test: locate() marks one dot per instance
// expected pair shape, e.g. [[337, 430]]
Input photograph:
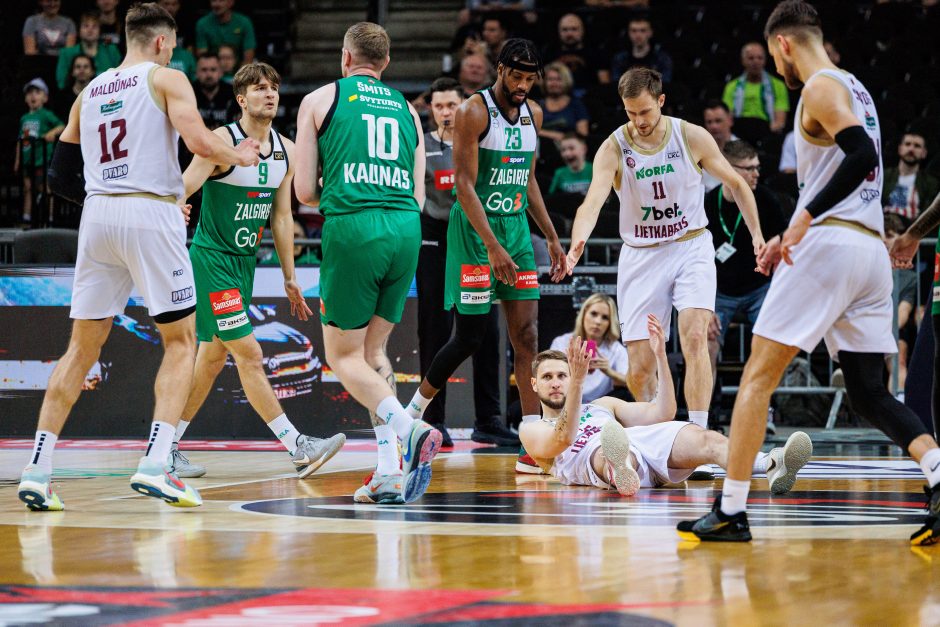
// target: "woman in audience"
[[562, 112], [597, 322]]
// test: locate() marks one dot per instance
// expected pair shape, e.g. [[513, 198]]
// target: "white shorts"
[[838, 289], [651, 445], [654, 280], [126, 242]]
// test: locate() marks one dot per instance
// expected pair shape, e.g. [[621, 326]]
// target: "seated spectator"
[[906, 307], [215, 99], [788, 154], [597, 322], [303, 255], [575, 176], [228, 63], [475, 73], [81, 72], [588, 66], [182, 59], [111, 22], [225, 26], [756, 94], [39, 129], [494, 34], [561, 112], [642, 52], [907, 188], [740, 288], [47, 32], [718, 122], [106, 55]]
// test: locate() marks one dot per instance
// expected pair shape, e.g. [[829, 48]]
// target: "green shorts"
[[223, 293], [369, 263], [469, 283]]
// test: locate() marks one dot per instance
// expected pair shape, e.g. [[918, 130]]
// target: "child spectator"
[[575, 176], [39, 128], [597, 322], [47, 32], [106, 55]]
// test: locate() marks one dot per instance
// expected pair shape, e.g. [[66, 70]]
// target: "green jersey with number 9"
[[504, 159], [236, 204], [367, 143]]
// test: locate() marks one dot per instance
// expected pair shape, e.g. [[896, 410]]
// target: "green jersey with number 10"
[[367, 144], [236, 204], [504, 159]]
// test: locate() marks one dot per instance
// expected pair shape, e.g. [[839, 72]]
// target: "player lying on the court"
[[610, 443], [223, 256]]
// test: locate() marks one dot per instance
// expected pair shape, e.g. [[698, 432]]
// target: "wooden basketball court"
[[484, 546]]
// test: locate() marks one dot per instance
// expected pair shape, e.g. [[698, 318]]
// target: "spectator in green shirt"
[[106, 55], [575, 176], [225, 26], [755, 93], [38, 125], [182, 59]]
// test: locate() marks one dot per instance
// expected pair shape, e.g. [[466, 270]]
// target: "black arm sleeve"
[[66, 176], [860, 159]]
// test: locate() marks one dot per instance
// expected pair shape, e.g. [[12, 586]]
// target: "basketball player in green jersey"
[[489, 250], [372, 150], [236, 204]]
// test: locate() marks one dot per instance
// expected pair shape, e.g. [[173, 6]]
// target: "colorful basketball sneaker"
[[526, 465], [787, 461], [381, 489], [716, 527], [615, 443], [36, 491], [418, 450], [313, 452], [152, 479]]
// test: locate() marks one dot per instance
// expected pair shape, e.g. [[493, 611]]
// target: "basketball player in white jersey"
[[836, 281], [612, 444], [125, 126], [654, 163], [236, 205]]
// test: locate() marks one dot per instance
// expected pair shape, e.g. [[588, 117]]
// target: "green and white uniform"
[[372, 231], [504, 159], [236, 206], [936, 280]]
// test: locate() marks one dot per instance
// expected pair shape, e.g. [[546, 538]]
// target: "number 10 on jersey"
[[382, 135]]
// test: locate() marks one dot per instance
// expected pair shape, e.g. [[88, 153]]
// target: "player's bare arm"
[[706, 153], [905, 246], [540, 438], [663, 409], [827, 112], [606, 166], [310, 116], [420, 163], [282, 228], [469, 123], [174, 90], [540, 214], [200, 168]]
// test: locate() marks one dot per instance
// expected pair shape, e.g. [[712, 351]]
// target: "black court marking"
[[587, 506]]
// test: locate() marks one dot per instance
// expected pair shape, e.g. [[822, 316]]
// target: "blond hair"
[[612, 334], [367, 43], [567, 80]]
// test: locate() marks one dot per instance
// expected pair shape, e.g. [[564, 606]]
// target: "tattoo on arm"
[[561, 425], [928, 221]]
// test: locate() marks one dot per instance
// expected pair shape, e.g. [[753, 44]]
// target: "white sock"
[[161, 440], [417, 405], [699, 417], [42, 451], [930, 464], [395, 416], [180, 429], [530, 418], [388, 451], [734, 496], [761, 463], [285, 431]]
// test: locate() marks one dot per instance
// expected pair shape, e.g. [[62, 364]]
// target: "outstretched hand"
[[559, 261], [298, 306], [247, 150], [657, 335], [574, 254], [579, 358]]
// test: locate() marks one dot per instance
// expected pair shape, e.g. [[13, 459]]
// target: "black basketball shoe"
[[716, 526], [930, 532], [491, 430], [446, 442]]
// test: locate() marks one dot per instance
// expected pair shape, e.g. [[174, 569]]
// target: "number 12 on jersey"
[[379, 145]]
